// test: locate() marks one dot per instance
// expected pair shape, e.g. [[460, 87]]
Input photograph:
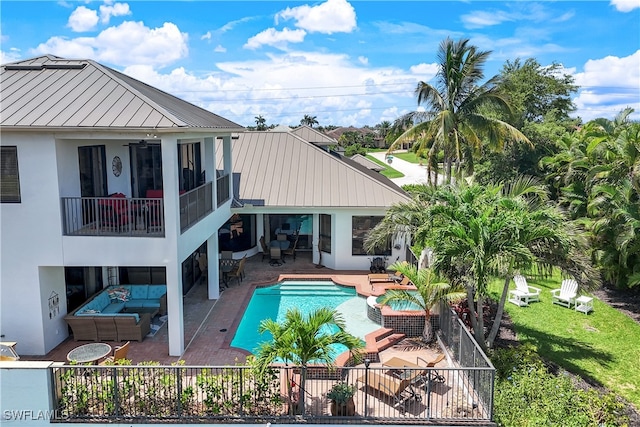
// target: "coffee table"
[[89, 353]]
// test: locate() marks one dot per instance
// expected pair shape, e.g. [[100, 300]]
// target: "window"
[[361, 226], [325, 233], [9, 180]]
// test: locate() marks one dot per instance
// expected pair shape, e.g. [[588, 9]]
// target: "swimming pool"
[[272, 302]]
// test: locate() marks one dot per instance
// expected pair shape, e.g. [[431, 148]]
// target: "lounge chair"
[[523, 294], [432, 375], [400, 390], [566, 294]]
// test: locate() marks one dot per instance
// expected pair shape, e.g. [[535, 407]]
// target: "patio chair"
[[566, 294], [265, 248], [238, 270], [276, 255], [119, 353], [291, 250], [399, 390], [523, 294]]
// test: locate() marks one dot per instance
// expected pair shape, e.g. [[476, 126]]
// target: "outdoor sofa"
[[118, 313]]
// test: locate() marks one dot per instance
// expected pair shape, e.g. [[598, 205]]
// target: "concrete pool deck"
[[211, 324]]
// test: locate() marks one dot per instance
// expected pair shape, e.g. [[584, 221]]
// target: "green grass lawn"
[[409, 156], [602, 347], [388, 171]]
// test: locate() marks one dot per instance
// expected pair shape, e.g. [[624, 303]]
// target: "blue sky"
[[349, 63]]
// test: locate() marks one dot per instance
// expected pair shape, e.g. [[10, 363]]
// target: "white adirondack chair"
[[523, 294], [566, 295]]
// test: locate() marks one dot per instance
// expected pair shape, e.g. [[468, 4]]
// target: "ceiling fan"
[[140, 144]]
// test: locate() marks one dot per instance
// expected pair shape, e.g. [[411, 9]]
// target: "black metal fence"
[[244, 395], [468, 353]]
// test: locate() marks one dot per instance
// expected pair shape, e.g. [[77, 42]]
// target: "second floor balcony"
[[118, 215]]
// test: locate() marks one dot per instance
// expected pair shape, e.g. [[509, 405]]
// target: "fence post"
[[179, 387], [367, 362]]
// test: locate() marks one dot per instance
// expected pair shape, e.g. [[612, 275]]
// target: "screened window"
[[9, 180], [325, 233], [361, 226]]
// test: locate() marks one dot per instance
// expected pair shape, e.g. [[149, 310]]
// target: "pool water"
[[273, 302], [402, 305]]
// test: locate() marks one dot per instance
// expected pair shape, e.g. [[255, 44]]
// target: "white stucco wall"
[[34, 251], [23, 229]]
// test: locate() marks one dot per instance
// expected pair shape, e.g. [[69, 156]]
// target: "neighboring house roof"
[[369, 164], [338, 132], [52, 92], [280, 169], [310, 134]]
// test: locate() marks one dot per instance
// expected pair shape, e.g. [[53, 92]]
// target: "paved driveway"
[[413, 173]]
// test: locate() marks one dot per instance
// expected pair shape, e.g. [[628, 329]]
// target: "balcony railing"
[[195, 205], [240, 394], [112, 216], [222, 188]]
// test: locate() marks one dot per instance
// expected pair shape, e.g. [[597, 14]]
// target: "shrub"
[[527, 394]]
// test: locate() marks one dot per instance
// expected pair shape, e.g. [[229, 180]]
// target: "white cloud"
[[425, 71], [126, 44], [339, 90], [332, 16], [82, 19], [108, 10], [206, 36], [608, 85], [481, 19], [11, 56], [273, 37], [220, 49], [363, 60], [625, 5]]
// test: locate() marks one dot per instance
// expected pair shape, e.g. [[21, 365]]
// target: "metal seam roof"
[[59, 93], [280, 169]]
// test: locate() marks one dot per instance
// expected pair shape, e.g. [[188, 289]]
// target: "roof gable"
[[54, 92], [310, 134]]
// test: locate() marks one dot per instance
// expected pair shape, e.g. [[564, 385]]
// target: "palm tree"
[[309, 120], [478, 233], [454, 122], [261, 123], [301, 340], [431, 290]]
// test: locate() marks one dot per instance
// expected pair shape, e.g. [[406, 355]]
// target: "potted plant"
[[341, 397]]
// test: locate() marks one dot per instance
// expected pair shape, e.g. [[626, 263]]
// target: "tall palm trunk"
[[496, 322], [427, 332]]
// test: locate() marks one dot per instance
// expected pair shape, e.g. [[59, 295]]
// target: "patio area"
[[211, 324]]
